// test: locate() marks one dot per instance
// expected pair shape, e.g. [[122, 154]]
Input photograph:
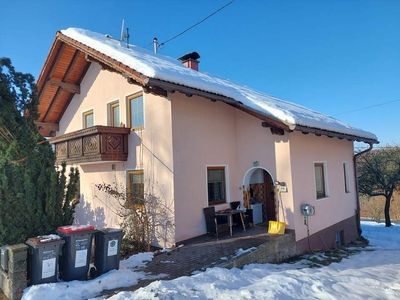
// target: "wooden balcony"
[[93, 144]]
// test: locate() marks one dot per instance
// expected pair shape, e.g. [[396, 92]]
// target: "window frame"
[[129, 110], [85, 114], [225, 181], [129, 202], [346, 173], [324, 180], [110, 108]]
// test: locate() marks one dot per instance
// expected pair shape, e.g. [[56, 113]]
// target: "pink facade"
[[338, 205], [207, 133], [182, 136], [150, 149], [214, 134]]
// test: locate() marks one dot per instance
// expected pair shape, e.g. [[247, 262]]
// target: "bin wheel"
[[92, 273]]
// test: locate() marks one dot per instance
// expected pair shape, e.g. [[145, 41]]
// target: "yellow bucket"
[[276, 227]]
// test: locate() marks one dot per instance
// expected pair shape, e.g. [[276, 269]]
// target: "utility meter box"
[[307, 210]]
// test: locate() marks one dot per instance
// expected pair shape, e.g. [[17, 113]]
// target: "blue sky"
[[336, 57]]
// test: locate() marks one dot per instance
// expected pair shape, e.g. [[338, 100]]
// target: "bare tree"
[[145, 216], [379, 175]]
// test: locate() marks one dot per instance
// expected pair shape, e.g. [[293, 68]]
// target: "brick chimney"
[[190, 60]]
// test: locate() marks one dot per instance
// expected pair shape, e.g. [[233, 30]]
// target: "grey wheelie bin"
[[43, 258], [107, 249], [75, 255]]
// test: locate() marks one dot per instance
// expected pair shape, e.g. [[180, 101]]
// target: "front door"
[[269, 211]]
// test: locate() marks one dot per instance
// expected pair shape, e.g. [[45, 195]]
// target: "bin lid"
[[75, 228], [43, 239], [110, 230]]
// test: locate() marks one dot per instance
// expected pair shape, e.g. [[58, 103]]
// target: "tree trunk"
[[387, 207]]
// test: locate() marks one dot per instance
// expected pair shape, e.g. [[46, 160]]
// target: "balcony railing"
[[93, 144]]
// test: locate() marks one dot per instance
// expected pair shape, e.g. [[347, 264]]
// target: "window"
[[340, 238], [135, 190], [320, 180], [346, 177], [88, 119], [216, 185], [136, 111], [114, 114]]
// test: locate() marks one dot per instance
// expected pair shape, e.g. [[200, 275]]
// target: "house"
[[149, 122]]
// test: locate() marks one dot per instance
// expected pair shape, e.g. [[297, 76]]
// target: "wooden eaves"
[[64, 69]]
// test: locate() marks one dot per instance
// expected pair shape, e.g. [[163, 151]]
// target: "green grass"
[[325, 258]]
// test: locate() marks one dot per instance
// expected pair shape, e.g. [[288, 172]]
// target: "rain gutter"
[[358, 208]]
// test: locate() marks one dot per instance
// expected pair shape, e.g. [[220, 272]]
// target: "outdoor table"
[[230, 213]]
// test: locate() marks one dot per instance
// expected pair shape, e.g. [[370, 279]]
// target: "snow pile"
[[370, 274]]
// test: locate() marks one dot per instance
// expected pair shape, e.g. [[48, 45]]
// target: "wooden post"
[[246, 198]]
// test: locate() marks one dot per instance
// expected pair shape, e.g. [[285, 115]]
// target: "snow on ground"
[[373, 273]]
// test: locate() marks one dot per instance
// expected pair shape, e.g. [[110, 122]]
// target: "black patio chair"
[[235, 218], [248, 217], [215, 224]]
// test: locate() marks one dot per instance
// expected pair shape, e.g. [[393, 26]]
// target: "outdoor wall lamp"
[[280, 186], [281, 183]]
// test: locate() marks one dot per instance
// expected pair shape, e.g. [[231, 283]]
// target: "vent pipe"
[[155, 43]]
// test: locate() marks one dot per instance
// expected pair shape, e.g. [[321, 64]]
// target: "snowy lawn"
[[370, 273]]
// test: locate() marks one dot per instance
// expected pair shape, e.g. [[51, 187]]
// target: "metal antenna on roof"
[[124, 35]]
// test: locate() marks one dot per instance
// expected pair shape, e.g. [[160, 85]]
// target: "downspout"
[[358, 218]]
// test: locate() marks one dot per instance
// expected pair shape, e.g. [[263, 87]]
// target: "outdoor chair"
[[215, 224], [236, 218], [248, 217]]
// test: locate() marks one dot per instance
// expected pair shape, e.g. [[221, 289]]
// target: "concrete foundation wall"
[[277, 249], [326, 238]]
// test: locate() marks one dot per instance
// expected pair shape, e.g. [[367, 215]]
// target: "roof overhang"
[[188, 91], [68, 61], [332, 134], [63, 71]]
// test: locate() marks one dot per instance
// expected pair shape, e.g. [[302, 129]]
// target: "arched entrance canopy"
[[247, 176], [259, 194]]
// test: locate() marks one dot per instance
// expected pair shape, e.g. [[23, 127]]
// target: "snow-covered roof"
[[171, 70]]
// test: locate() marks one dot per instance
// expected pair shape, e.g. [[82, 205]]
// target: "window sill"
[[214, 203], [137, 128]]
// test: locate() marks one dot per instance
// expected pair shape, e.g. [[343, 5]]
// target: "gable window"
[[113, 109], [216, 185], [320, 180], [135, 111], [346, 177], [135, 188], [88, 119]]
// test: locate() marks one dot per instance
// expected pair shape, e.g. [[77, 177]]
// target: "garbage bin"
[[43, 258], [75, 255], [107, 249]]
